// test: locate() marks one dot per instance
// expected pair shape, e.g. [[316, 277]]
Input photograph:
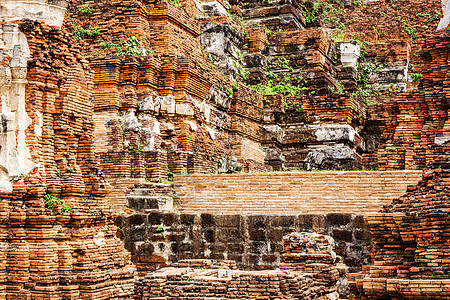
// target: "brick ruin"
[[308, 271], [120, 118], [58, 240], [410, 256]]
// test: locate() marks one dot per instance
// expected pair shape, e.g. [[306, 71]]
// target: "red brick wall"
[[47, 252], [290, 193]]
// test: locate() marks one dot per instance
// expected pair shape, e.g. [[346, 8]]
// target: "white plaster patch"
[[51, 14], [131, 122], [167, 104], [349, 54], [211, 132], [335, 133], [15, 158], [206, 110], [443, 23], [99, 239], [192, 125], [441, 140], [150, 105], [157, 127], [184, 109]]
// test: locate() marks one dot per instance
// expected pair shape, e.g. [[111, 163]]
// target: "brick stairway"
[[292, 193]]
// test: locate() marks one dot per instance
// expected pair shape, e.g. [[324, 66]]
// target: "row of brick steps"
[[292, 192]]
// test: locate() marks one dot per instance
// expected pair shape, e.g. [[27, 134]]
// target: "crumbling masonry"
[[144, 134]]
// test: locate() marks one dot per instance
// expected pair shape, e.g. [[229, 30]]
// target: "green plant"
[[52, 201], [365, 69], [211, 58], [434, 17], [80, 32], [70, 169], [333, 21], [283, 63], [244, 74], [176, 2], [339, 87], [66, 208], [159, 229], [229, 92], [170, 176], [338, 36], [363, 47], [412, 32], [106, 45], [131, 47], [85, 9], [416, 76], [310, 14], [285, 88]]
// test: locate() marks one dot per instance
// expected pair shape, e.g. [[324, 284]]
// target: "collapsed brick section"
[[398, 46], [316, 279], [171, 112], [50, 251], [411, 251], [195, 117], [178, 110]]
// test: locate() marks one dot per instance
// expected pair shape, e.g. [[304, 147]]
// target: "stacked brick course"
[[396, 37], [291, 192], [60, 253], [416, 119], [204, 116], [411, 249]]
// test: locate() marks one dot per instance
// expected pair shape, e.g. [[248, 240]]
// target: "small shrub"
[[176, 2], [66, 208], [416, 76], [80, 32], [51, 201], [131, 47], [85, 9]]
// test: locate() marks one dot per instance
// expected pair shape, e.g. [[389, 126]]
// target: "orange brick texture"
[[413, 120], [411, 252], [287, 193], [47, 253]]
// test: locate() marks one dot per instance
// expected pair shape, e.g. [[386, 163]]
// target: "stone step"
[[153, 185], [150, 203], [143, 192]]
